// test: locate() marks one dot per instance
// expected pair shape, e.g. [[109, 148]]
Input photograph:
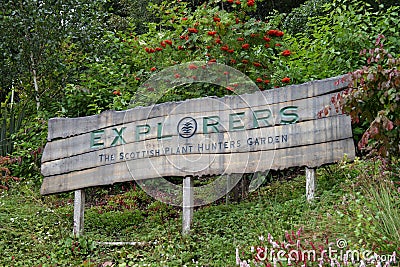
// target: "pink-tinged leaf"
[[389, 125]]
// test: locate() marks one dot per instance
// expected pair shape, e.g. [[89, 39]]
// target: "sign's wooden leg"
[[187, 216], [79, 211], [310, 183]]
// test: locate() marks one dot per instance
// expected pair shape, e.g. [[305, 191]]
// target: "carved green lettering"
[[159, 132], [262, 116], [142, 130], [95, 139], [234, 119], [118, 136], [289, 115], [210, 122]]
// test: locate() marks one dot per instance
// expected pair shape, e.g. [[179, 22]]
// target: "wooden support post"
[[310, 184], [79, 211], [187, 216]]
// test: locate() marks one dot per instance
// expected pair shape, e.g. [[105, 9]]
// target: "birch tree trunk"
[[35, 83]]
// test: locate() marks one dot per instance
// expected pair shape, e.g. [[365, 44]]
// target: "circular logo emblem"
[[187, 127], [207, 154]]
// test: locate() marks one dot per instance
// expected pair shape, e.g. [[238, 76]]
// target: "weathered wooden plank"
[[228, 117], [311, 156], [65, 127], [269, 138]]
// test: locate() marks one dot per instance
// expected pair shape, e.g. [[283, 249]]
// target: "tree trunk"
[[35, 83]]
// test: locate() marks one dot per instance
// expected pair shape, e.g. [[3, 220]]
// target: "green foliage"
[[372, 202], [33, 34], [28, 143], [124, 15], [11, 117], [297, 20], [332, 45], [105, 73], [26, 227], [5, 173], [114, 221], [207, 34], [75, 247], [37, 232], [122, 213], [386, 208]]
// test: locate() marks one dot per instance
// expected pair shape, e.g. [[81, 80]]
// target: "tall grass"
[[385, 204]]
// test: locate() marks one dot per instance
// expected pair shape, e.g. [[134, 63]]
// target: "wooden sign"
[[273, 129]]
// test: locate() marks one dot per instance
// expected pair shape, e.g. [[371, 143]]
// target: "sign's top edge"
[[61, 127], [335, 87]]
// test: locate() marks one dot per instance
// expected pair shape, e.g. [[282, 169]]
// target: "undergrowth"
[[357, 202]]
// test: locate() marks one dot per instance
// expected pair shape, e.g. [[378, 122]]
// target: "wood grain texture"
[[79, 211], [187, 206], [65, 127], [308, 109], [310, 156], [310, 184], [261, 139]]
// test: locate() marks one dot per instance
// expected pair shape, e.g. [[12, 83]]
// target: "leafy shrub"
[[21, 143], [372, 101], [160, 212], [297, 20], [28, 143], [5, 173], [333, 44], [208, 34]]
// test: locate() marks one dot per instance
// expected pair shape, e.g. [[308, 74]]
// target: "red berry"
[[286, 53]]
